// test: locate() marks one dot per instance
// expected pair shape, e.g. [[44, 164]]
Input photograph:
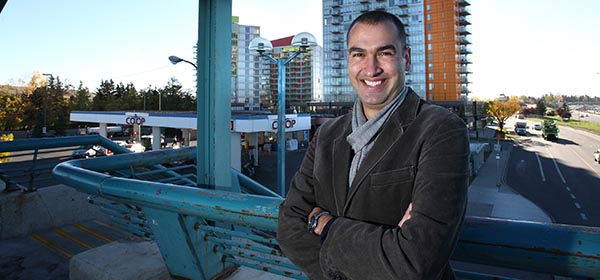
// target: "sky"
[[531, 47]]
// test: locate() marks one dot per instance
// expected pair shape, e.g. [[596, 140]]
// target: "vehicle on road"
[[597, 156], [521, 128], [537, 126], [550, 130]]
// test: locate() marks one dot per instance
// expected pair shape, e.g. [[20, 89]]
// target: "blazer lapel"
[[390, 134], [342, 156]]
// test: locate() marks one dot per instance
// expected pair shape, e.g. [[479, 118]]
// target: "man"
[[383, 188]]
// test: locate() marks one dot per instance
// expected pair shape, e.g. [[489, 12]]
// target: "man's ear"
[[407, 57]]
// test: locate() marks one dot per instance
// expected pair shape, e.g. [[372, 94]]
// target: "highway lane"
[[561, 177]]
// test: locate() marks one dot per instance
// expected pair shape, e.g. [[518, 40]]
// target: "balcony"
[[464, 41], [337, 29], [464, 11], [364, 8], [465, 70], [403, 13], [465, 60], [465, 90], [464, 30], [464, 3], [464, 21], [337, 39], [336, 21], [465, 50], [336, 12], [401, 3], [336, 3], [464, 80]]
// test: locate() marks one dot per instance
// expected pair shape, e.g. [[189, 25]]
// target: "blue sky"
[[519, 47]]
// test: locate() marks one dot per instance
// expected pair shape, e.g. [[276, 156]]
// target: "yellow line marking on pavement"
[[73, 238], [93, 233], [115, 228], [52, 246]]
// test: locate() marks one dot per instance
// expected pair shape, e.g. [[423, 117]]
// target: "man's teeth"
[[373, 83]]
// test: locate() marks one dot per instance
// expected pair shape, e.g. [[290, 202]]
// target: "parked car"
[[597, 156], [91, 151], [537, 126], [134, 147]]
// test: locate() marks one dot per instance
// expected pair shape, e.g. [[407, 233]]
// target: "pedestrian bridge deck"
[[202, 232]]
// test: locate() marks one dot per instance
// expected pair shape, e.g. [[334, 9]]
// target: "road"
[[561, 177]]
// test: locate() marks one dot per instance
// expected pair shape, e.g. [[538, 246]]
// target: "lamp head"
[[260, 45], [175, 59], [303, 40]]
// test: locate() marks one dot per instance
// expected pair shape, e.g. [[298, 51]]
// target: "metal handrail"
[[530, 246]]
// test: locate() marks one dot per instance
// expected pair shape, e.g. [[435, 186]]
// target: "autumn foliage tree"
[[501, 111]]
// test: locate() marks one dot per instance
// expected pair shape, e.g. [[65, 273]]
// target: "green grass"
[[573, 123]]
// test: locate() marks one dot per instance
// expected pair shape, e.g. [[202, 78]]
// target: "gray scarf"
[[364, 132]]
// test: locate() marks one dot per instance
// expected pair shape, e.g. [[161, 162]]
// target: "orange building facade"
[[446, 49]]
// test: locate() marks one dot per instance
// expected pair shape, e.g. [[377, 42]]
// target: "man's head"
[[377, 59]]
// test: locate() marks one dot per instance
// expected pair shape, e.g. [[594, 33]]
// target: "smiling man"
[[382, 191]]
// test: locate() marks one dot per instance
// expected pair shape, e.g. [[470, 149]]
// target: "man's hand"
[[406, 215], [323, 220]]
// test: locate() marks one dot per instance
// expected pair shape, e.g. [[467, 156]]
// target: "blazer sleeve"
[[422, 247], [300, 246]]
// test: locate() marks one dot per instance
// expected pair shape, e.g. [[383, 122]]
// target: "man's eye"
[[356, 55], [386, 54]]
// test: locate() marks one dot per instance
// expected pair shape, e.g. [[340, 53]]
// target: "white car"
[[537, 126], [597, 156], [134, 147]]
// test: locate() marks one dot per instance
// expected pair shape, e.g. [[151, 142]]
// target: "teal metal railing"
[[202, 232]]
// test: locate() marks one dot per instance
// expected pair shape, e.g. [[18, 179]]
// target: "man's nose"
[[372, 66]]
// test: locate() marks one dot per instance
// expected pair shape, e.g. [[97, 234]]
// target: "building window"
[[429, 7], [430, 66], [429, 26], [428, 16], [429, 47], [430, 56], [430, 86], [429, 37], [430, 76]]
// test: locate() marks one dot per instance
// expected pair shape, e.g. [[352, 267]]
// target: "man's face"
[[377, 61]]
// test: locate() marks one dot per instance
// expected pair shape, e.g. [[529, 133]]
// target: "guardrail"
[[203, 232]]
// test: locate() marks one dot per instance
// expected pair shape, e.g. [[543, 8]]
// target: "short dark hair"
[[375, 17]]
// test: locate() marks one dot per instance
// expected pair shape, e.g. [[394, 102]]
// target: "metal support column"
[[213, 92]]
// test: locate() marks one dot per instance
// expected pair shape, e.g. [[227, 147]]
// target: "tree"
[[501, 111], [11, 109], [104, 96], [541, 108], [81, 100]]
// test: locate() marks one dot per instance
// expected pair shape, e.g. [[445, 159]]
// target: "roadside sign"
[[497, 148]]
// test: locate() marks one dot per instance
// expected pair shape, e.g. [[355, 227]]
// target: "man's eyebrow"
[[355, 49], [387, 47], [382, 48]]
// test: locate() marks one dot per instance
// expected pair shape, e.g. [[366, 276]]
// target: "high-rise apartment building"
[[244, 70], [303, 81], [437, 35], [254, 79]]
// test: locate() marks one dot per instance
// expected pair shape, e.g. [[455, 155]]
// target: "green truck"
[[550, 130]]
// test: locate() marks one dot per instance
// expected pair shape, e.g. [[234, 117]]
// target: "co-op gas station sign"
[[239, 123], [293, 122], [135, 118]]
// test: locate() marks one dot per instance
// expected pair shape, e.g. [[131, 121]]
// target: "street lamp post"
[[45, 104], [303, 41], [176, 59]]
